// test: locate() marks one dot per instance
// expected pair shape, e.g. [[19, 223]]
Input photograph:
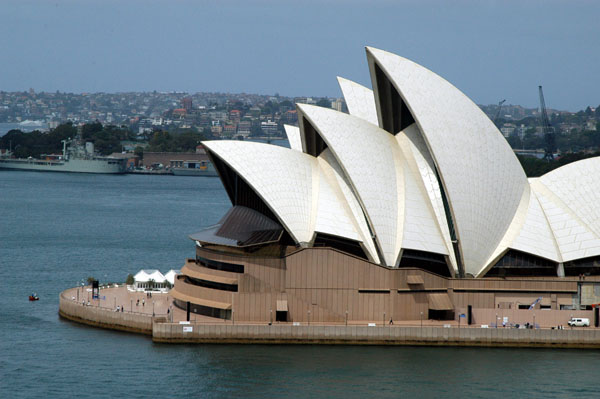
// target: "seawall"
[[380, 335], [103, 317]]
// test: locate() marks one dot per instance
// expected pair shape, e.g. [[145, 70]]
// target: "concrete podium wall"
[[364, 335], [103, 317]]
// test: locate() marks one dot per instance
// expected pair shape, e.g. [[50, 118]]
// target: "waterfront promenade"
[[155, 316]]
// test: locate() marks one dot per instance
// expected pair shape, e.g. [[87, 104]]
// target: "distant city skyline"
[[491, 51]]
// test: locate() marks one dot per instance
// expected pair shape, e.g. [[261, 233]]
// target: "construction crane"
[[498, 111], [547, 129]]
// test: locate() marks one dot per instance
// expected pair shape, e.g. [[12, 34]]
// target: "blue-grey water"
[[57, 229]]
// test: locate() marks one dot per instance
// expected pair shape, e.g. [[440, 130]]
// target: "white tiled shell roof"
[[561, 220], [338, 179], [482, 177], [368, 181], [359, 100], [282, 177], [301, 190], [573, 237], [420, 163], [393, 198], [570, 198], [577, 185], [293, 135], [536, 236]]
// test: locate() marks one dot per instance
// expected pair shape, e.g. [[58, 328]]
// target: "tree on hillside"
[[161, 142], [89, 130], [35, 143], [107, 139], [187, 141]]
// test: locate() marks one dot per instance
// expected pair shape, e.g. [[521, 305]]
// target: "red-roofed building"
[[290, 116], [181, 112], [235, 115], [229, 130]]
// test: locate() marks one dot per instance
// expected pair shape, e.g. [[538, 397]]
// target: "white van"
[[579, 322]]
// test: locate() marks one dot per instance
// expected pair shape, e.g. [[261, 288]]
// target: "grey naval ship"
[[76, 158]]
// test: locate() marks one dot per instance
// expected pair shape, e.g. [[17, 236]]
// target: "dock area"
[[156, 317]]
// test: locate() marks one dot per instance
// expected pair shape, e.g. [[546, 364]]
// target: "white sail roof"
[[300, 189], [293, 135], [570, 198], [415, 166], [421, 165], [337, 179], [393, 198], [283, 178], [561, 220], [481, 176], [359, 100], [576, 185]]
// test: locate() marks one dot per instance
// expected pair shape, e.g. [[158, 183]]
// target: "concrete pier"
[[162, 329]]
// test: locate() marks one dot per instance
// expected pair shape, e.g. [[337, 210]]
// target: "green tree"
[[89, 130], [161, 142], [186, 140], [130, 279]]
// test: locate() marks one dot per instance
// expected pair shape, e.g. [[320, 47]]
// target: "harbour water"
[[57, 229]]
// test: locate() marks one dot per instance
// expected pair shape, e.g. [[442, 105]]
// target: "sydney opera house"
[[410, 206]]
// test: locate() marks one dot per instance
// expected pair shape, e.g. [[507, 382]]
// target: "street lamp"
[[534, 320], [496, 320], [271, 317], [421, 319], [346, 318], [309, 317], [152, 308], [384, 319]]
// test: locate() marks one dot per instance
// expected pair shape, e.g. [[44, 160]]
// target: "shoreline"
[[227, 332]]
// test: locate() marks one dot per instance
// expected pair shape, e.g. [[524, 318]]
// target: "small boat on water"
[[34, 297]]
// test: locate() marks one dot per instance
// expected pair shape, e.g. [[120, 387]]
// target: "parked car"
[[579, 322]]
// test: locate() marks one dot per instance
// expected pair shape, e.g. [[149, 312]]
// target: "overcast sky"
[[491, 50]]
